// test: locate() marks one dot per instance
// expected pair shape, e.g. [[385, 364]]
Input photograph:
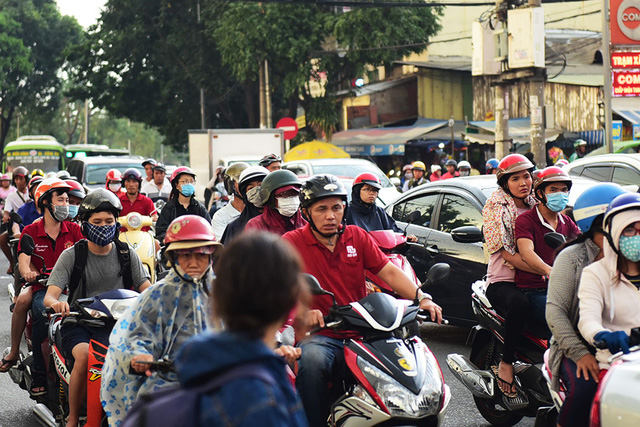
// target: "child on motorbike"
[[51, 236], [162, 319], [98, 212], [511, 199], [571, 358], [608, 292], [257, 285]]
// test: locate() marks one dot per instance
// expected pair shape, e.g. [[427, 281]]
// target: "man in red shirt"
[[452, 169], [337, 255], [551, 187], [51, 235], [133, 200]]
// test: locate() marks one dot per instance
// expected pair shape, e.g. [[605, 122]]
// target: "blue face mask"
[[557, 201], [73, 211], [101, 235], [630, 247], [188, 190]]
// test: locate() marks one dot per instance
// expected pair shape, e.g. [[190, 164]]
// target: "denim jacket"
[[246, 401]]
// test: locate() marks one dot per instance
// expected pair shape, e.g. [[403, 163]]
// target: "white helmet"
[[464, 165]]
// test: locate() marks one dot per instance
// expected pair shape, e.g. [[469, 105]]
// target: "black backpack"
[[81, 253], [177, 406]]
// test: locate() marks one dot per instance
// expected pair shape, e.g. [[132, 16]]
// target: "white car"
[[623, 169], [346, 170]]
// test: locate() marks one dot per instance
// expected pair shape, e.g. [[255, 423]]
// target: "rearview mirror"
[[314, 285], [554, 240], [27, 245], [15, 217], [437, 274], [467, 234]]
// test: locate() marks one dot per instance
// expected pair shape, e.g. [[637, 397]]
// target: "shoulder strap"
[[81, 251], [124, 259]]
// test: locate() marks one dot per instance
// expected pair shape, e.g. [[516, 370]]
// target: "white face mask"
[[253, 196], [115, 187], [289, 206]]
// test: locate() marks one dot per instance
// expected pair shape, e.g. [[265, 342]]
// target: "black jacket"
[[169, 213], [369, 217], [236, 226]]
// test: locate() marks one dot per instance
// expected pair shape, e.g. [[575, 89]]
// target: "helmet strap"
[[187, 278]]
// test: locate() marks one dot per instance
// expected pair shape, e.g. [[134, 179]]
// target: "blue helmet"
[[593, 202], [493, 163], [621, 203]]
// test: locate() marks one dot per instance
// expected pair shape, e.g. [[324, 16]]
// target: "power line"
[[381, 4]]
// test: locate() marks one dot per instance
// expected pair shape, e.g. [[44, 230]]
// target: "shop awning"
[[519, 132], [627, 108], [442, 135], [383, 141]]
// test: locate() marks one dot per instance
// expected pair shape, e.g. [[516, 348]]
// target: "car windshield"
[[97, 174], [352, 170]]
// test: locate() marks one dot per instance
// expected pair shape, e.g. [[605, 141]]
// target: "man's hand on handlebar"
[[30, 276], [435, 311], [411, 238], [314, 319], [142, 368], [290, 354], [61, 307]]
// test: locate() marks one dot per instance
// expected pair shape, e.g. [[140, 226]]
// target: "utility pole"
[[203, 123], [261, 100], [86, 121], [606, 65], [501, 99], [267, 95], [536, 109]]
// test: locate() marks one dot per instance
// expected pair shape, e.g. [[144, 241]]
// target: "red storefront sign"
[[625, 22], [625, 60], [626, 83]]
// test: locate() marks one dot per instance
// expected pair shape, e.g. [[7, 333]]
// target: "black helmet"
[[451, 162], [149, 161], [99, 200], [275, 180], [132, 173], [320, 186], [268, 159], [159, 167]]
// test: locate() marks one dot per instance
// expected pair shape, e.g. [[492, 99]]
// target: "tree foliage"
[[148, 59], [33, 40]]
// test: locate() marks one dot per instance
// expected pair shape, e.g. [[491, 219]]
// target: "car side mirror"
[[395, 181], [437, 274], [554, 240], [413, 217], [467, 234], [27, 245]]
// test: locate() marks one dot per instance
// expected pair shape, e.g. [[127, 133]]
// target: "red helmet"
[[76, 188], [190, 232], [34, 182], [551, 174], [114, 175], [48, 186], [511, 164], [367, 178], [20, 171], [181, 170]]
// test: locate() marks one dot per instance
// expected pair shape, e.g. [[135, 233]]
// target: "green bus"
[[90, 150], [34, 152]]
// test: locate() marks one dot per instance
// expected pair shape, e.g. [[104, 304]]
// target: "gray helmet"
[[232, 175], [99, 200], [451, 162], [320, 186], [275, 180]]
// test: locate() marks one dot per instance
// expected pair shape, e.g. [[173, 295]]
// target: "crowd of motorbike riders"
[[219, 306]]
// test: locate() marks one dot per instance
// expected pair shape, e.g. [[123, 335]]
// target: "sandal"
[[9, 363], [504, 385], [38, 385]]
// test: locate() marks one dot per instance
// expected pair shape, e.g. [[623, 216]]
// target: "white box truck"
[[211, 148]]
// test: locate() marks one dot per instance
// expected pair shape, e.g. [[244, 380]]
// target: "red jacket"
[[271, 220]]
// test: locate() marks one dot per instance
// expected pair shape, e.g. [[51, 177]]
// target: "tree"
[[147, 60], [33, 40]]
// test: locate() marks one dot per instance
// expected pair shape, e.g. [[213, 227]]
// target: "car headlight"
[[401, 401], [134, 220]]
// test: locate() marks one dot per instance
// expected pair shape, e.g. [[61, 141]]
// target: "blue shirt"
[[28, 213]]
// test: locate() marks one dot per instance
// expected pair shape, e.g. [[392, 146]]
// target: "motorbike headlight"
[[401, 401], [118, 307], [134, 220]]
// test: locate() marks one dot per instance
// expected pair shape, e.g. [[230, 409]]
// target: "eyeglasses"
[[371, 190], [186, 182], [632, 230]]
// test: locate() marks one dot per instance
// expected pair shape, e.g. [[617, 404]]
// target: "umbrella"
[[315, 150]]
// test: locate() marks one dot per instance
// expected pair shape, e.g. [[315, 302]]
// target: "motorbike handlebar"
[[425, 316], [164, 366], [40, 278]]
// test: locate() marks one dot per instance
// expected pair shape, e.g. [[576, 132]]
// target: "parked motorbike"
[[142, 242], [103, 309], [474, 373], [392, 376]]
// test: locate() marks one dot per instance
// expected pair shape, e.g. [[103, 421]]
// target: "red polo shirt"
[[142, 204], [341, 271], [531, 225], [46, 247]]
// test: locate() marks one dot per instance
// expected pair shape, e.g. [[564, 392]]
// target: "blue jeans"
[[538, 302], [576, 407], [38, 330], [321, 359]]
